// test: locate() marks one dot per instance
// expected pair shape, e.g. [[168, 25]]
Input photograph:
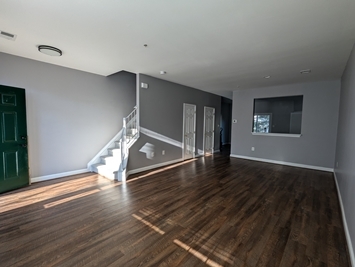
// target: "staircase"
[[112, 161]]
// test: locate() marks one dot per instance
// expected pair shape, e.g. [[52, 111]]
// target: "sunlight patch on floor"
[[156, 229], [37, 195], [161, 170], [64, 200], [197, 254], [37, 190], [33, 198]]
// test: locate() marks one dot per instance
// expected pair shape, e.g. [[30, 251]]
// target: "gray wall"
[[139, 160], [161, 111], [316, 146], [71, 114], [345, 152]]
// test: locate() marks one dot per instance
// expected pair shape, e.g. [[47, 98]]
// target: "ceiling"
[[215, 46]]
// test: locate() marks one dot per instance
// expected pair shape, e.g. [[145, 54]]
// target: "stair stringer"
[[104, 151], [110, 162]]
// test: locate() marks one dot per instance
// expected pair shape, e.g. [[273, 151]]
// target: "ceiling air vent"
[[8, 36]]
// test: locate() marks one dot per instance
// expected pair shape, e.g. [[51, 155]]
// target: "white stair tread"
[[110, 164]]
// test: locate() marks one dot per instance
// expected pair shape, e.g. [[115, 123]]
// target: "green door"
[[13, 143]]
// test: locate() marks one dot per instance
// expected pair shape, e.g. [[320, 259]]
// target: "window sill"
[[276, 134]]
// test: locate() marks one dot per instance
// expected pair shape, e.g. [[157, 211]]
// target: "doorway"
[[189, 131], [226, 124], [13, 143], [208, 137]]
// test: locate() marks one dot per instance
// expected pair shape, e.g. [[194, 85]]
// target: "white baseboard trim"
[[285, 163], [147, 168], [57, 175], [345, 224]]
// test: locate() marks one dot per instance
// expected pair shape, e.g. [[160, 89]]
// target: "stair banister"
[[113, 163]]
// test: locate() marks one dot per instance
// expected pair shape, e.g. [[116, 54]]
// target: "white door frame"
[[204, 129], [183, 131]]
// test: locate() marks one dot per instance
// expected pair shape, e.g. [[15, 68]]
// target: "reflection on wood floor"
[[212, 211]]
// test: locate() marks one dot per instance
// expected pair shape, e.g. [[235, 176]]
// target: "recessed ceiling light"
[[50, 50], [305, 71], [267, 77], [162, 72]]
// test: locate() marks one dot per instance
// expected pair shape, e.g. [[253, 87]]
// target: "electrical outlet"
[[163, 152], [252, 148]]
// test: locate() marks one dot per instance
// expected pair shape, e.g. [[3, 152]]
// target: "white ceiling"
[[216, 46]]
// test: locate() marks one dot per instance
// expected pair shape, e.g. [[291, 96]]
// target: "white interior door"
[[208, 139], [189, 131]]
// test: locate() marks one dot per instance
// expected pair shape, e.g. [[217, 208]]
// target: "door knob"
[[24, 145]]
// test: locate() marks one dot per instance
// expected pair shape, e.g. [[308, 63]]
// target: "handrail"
[[130, 129], [124, 139], [133, 112], [130, 123]]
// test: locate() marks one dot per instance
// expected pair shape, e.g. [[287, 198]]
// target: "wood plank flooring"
[[212, 211]]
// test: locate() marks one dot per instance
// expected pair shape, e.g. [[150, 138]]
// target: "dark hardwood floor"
[[212, 211]]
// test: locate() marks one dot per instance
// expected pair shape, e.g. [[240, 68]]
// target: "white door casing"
[[209, 123], [189, 128]]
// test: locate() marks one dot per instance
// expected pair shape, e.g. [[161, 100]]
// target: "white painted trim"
[[160, 137], [150, 167], [204, 131], [285, 163], [57, 175], [345, 223], [104, 149], [138, 101], [276, 134], [183, 130], [204, 128]]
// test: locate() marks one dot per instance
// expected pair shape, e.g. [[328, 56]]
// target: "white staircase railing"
[[130, 134], [113, 160], [130, 128]]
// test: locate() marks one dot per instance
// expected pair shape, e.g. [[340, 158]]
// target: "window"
[[262, 123], [279, 115]]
